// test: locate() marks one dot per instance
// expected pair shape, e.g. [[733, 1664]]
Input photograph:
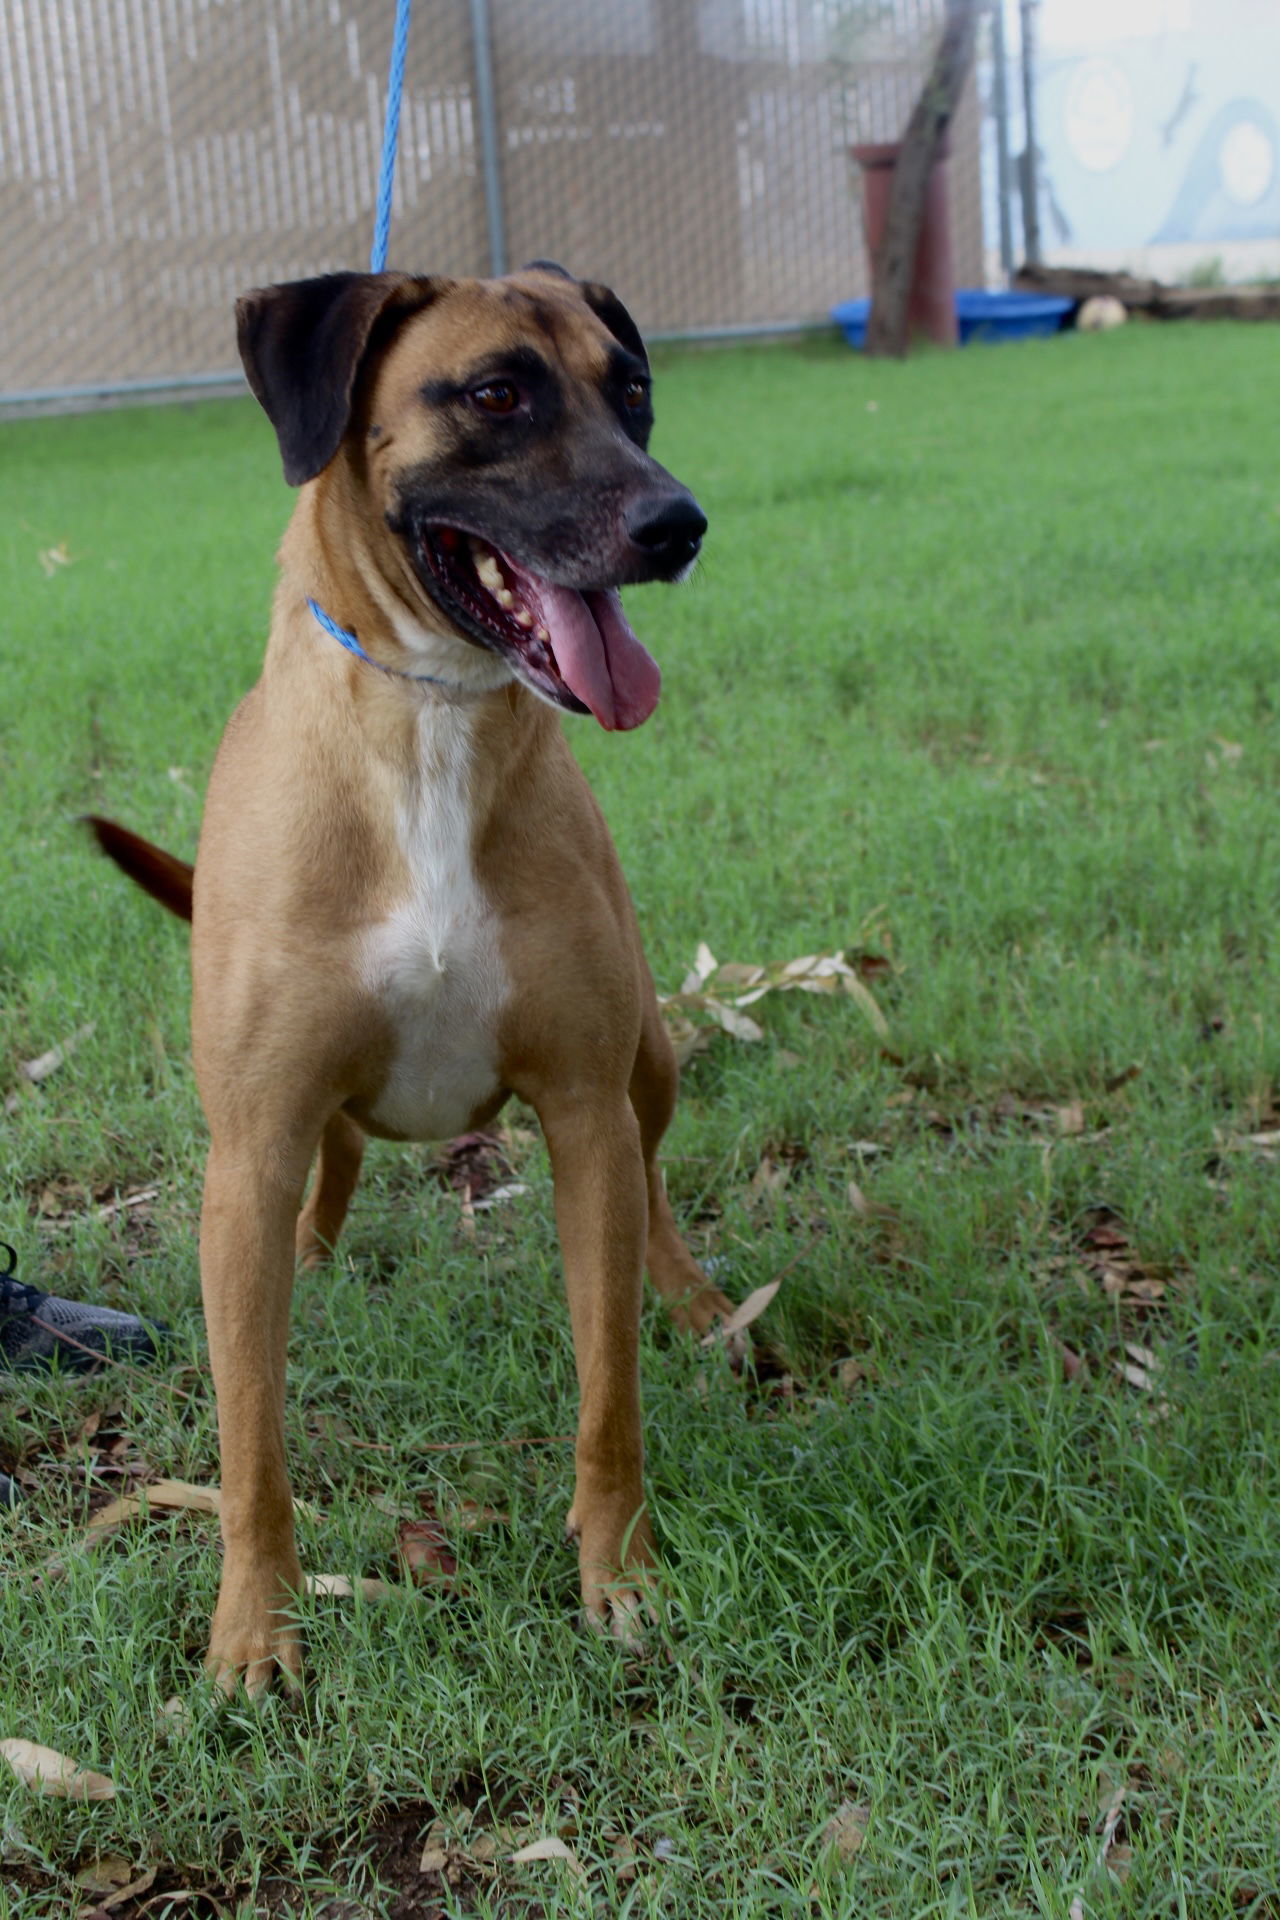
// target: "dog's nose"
[[669, 529]]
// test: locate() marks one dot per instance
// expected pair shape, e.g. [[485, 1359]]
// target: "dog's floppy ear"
[[606, 306], [302, 344]]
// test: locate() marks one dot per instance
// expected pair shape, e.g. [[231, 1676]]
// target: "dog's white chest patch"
[[434, 964]]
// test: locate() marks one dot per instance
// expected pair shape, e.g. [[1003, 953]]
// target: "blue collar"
[[352, 645]]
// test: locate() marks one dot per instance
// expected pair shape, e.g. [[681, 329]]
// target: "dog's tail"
[[162, 875]]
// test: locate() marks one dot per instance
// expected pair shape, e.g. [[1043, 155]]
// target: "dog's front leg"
[[602, 1218], [246, 1267]]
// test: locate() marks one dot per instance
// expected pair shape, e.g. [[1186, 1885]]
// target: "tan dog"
[[406, 903]]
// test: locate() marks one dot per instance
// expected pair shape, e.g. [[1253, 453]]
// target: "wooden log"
[[1152, 296], [1087, 283], [1218, 303]]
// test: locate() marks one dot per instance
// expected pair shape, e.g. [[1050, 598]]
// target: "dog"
[[405, 903]]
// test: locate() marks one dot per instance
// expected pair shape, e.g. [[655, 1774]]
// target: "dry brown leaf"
[[1109, 1256], [704, 962], [471, 1515], [847, 1829], [740, 1025], [126, 1202], [63, 1197], [769, 1177], [169, 1495], [46, 1063], [1115, 1857], [424, 1554], [625, 1856], [857, 1199], [751, 1309], [1120, 1861], [173, 1496], [105, 1875], [47, 1771], [719, 993], [1110, 1815], [549, 1849], [476, 1166], [513, 1190], [743, 978], [435, 1849], [686, 1038], [339, 1587], [864, 998], [174, 1718], [109, 1902], [1141, 1367], [1066, 1120], [1134, 1376]]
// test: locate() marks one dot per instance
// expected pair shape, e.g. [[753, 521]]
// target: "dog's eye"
[[635, 394], [496, 396]]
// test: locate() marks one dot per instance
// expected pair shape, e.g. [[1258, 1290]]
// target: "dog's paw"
[[618, 1566], [255, 1675], [254, 1643], [253, 1665], [629, 1617]]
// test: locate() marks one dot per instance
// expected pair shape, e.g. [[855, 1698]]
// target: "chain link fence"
[[157, 157]]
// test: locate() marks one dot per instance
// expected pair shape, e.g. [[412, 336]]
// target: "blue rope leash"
[[390, 137], [340, 634], [347, 639], [377, 263]]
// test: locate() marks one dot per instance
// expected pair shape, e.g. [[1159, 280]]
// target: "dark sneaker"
[[38, 1331], [10, 1491]]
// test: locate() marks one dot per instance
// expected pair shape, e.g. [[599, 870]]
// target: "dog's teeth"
[[505, 598], [524, 618], [542, 635], [488, 572]]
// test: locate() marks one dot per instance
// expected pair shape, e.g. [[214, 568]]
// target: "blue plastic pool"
[[979, 316]]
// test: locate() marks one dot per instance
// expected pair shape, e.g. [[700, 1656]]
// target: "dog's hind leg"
[[693, 1301], [336, 1174]]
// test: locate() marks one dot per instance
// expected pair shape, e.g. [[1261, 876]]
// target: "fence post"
[[1004, 171], [1029, 159], [490, 156]]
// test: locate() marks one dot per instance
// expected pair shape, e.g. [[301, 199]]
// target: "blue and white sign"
[[1159, 125]]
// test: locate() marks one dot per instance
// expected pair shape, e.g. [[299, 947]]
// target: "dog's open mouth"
[[575, 649]]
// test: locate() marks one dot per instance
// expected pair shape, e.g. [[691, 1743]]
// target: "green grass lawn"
[[978, 678]]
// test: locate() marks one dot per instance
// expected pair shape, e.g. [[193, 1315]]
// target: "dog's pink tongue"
[[598, 655]]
